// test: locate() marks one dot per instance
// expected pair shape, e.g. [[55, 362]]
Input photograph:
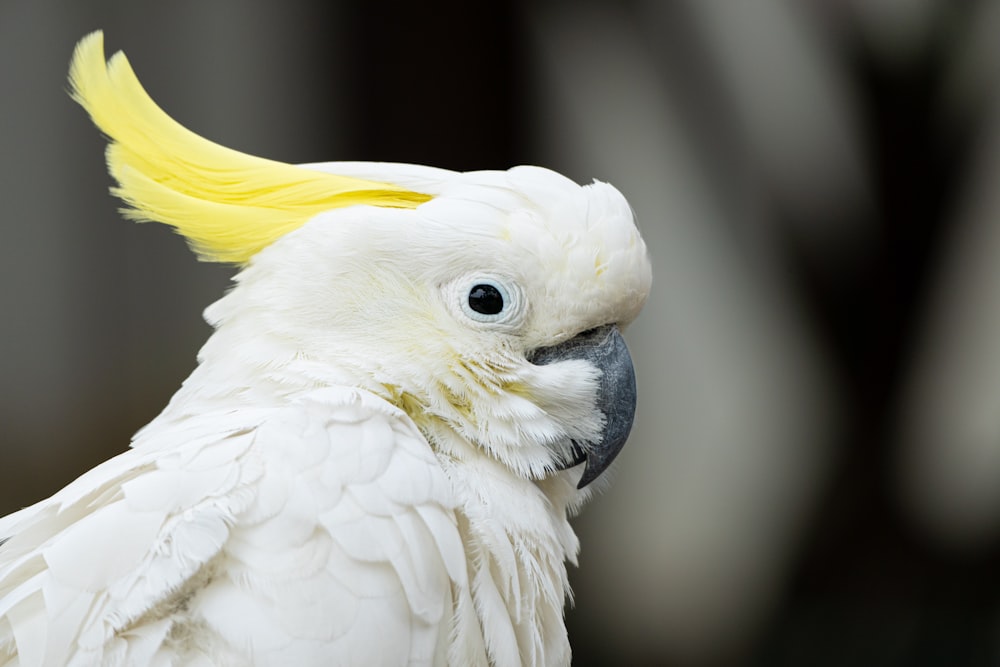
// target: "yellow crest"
[[228, 204]]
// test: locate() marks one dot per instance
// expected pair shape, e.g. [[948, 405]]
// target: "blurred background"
[[814, 476]]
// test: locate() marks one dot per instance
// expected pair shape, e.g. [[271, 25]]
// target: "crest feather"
[[228, 204]]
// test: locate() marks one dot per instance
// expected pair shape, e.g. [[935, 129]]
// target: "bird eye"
[[490, 300], [486, 299]]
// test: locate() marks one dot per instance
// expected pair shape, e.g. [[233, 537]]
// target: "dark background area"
[[814, 478]]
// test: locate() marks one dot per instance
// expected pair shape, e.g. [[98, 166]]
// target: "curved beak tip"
[[617, 399], [616, 396]]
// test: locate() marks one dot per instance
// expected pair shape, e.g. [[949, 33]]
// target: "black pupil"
[[485, 299]]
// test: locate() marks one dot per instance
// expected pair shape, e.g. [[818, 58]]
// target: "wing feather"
[[384, 593], [322, 530], [88, 562]]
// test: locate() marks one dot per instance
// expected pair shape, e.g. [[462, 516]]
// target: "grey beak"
[[605, 348]]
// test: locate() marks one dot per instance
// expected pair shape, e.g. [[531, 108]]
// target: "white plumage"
[[261, 532], [368, 467]]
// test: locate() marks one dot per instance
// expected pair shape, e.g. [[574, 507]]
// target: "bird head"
[[487, 305]]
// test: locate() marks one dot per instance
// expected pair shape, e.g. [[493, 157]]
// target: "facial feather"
[[377, 294]]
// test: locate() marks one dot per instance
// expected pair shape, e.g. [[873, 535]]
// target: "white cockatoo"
[[413, 380]]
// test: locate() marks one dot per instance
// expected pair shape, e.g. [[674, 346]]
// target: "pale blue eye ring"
[[490, 300]]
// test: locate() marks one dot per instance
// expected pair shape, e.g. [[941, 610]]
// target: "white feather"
[[182, 561], [356, 473]]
